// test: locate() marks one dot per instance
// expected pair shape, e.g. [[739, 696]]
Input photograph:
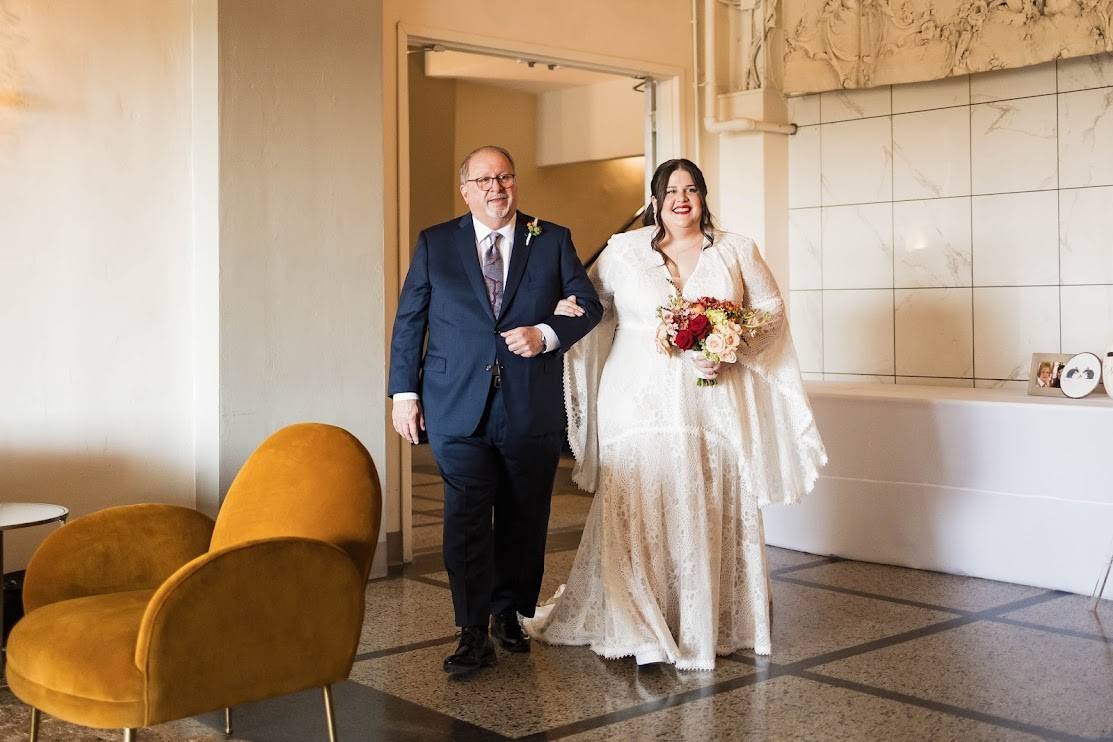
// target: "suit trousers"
[[497, 492]]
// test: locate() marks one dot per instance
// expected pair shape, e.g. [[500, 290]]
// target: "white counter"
[[985, 482]]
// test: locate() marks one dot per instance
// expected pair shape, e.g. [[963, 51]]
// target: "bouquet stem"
[[706, 382]]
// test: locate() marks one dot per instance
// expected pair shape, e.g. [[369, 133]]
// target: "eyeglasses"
[[487, 182]]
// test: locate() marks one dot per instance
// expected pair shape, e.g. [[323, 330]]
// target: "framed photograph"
[[1046, 374], [1081, 375]]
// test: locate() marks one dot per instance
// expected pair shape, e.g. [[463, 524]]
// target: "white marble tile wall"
[[940, 233]]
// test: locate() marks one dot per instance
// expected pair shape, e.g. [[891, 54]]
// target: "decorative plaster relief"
[[832, 44], [756, 21], [11, 77]]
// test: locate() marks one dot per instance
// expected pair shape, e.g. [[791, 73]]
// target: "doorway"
[[585, 140]]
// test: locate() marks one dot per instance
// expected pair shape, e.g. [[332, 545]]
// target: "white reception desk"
[[984, 482]]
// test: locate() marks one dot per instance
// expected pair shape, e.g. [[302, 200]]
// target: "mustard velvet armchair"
[[143, 614]]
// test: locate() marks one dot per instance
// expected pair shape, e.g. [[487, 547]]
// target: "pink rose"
[[714, 343]]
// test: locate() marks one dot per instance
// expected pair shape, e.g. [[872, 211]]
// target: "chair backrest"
[[310, 480]]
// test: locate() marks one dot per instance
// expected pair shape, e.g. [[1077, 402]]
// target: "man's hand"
[[526, 342], [408, 419]]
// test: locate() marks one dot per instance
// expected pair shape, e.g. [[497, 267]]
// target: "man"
[[483, 289]]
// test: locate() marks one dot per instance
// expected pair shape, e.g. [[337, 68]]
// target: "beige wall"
[[434, 197], [593, 199], [604, 121], [301, 289], [95, 243], [656, 31]]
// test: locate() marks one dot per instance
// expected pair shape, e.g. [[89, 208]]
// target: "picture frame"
[[1081, 375], [1045, 373]]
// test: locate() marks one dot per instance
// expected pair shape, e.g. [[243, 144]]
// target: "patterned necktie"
[[492, 271]]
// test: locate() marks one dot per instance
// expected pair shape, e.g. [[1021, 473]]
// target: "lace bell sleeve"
[[783, 442], [761, 295], [583, 367]]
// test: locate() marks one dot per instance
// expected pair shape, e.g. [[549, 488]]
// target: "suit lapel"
[[469, 260], [518, 259]]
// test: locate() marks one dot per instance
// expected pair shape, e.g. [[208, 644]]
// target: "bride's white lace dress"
[[671, 566]]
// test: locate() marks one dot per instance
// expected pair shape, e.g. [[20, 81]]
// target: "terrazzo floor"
[[861, 652]]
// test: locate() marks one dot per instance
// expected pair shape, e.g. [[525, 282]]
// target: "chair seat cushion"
[[75, 659]]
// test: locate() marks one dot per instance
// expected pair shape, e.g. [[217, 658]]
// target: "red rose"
[[684, 339], [699, 326]]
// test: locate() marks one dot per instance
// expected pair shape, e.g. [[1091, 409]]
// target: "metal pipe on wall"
[[710, 120]]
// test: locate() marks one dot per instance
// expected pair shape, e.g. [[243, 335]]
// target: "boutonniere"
[[532, 230]]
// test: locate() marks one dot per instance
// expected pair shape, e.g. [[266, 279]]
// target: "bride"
[[671, 567]]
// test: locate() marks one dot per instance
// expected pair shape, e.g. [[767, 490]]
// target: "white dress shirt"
[[506, 249]]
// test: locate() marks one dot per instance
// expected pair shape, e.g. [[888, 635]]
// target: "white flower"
[[728, 356], [732, 339]]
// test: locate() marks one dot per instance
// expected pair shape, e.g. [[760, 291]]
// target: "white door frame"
[[669, 143]]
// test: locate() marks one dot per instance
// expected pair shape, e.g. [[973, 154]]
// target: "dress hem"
[[618, 653]]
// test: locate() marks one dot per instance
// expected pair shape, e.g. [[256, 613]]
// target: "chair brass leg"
[[36, 715], [129, 735], [329, 715], [227, 720]]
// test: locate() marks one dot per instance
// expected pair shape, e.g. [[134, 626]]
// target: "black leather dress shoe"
[[508, 631], [476, 650]]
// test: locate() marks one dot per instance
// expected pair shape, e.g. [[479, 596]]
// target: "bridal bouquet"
[[712, 327]]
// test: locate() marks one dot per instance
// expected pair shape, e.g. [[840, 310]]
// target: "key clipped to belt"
[[496, 374]]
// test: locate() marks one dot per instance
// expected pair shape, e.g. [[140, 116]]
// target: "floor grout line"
[[938, 706], [649, 707], [872, 596], [779, 575], [774, 670], [819, 562], [920, 633], [1051, 629], [429, 581], [403, 648], [767, 670], [416, 721], [837, 655]]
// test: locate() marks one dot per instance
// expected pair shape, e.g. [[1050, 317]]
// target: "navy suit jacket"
[[445, 297]]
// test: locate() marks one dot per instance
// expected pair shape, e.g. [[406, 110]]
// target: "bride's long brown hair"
[[660, 183]]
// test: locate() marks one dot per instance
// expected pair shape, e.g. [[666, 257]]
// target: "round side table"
[[15, 515]]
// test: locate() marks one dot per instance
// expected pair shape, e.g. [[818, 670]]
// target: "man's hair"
[[485, 148]]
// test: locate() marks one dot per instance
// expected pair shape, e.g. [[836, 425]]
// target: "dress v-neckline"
[[695, 268]]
